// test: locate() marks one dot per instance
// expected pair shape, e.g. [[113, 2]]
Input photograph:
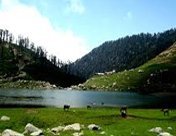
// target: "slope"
[[157, 75]]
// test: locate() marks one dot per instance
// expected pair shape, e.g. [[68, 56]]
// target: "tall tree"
[[6, 35], [11, 38], [1, 35], [26, 42]]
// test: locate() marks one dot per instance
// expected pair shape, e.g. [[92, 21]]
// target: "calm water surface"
[[58, 98]]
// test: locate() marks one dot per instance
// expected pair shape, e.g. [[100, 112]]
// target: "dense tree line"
[[24, 43], [20, 54], [124, 53]]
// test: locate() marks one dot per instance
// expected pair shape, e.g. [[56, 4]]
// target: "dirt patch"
[[33, 111]]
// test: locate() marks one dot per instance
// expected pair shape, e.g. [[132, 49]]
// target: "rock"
[[151, 74], [169, 128], [156, 130], [74, 87], [80, 85], [100, 74], [164, 134], [132, 133], [57, 129], [78, 134], [102, 133], [93, 87], [5, 118], [37, 133], [31, 129], [140, 71], [93, 127], [54, 86], [114, 84], [69, 88], [9, 132], [74, 127], [48, 131]]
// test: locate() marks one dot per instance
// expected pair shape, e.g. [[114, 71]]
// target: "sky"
[[71, 28]]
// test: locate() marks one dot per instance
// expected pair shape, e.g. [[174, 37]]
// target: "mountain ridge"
[[124, 53], [156, 75]]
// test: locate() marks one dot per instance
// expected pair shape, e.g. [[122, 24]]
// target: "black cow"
[[123, 111], [102, 103], [165, 111], [66, 107], [89, 107]]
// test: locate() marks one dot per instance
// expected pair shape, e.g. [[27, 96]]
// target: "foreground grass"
[[138, 122]]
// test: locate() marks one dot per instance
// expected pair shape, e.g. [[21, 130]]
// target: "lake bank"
[[25, 84], [108, 119]]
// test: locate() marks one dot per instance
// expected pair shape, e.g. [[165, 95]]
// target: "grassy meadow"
[[138, 122]]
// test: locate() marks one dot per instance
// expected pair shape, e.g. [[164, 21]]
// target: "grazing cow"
[[102, 103], [89, 107], [66, 107], [165, 111], [123, 111]]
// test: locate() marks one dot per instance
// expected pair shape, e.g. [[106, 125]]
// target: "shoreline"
[[164, 94]]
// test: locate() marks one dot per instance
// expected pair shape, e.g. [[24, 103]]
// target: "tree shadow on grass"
[[104, 116]]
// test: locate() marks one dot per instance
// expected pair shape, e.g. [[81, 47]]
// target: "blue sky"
[[91, 22]]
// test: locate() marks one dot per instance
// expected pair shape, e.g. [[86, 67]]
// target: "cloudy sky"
[[71, 28]]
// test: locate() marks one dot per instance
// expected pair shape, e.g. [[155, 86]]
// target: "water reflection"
[[75, 98]]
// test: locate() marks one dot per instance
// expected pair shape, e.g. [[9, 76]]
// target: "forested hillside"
[[157, 75], [21, 60], [124, 53]]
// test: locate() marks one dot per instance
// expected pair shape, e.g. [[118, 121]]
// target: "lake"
[[57, 98]]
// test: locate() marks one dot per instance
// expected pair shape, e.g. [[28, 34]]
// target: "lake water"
[[58, 98]]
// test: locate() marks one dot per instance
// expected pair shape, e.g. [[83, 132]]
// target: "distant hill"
[[125, 53], [25, 62], [157, 75]]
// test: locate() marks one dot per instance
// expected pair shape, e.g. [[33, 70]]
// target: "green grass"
[[138, 122]]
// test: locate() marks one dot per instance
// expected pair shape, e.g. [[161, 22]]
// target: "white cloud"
[[75, 6], [27, 20], [128, 16]]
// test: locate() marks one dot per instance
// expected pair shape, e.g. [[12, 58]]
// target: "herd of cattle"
[[123, 109]]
